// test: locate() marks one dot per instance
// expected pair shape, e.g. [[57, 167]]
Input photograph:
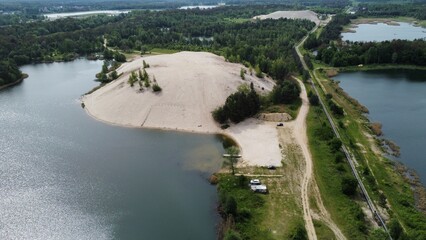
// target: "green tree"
[[232, 235], [258, 72], [145, 65], [233, 156], [114, 75], [349, 185], [242, 73], [156, 88], [285, 92], [132, 79]]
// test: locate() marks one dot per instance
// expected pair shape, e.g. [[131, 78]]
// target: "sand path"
[[300, 135]]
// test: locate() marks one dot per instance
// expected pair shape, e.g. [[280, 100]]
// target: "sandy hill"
[[305, 14], [193, 83]]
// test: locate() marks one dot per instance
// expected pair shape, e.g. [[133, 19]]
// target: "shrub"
[[349, 185], [335, 145], [313, 100], [156, 88], [285, 92], [119, 57], [232, 235], [298, 233], [219, 115], [230, 206]]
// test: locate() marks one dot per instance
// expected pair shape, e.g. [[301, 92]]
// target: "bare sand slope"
[[194, 84], [305, 14]]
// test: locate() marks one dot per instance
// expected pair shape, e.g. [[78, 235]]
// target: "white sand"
[[194, 84], [305, 14]]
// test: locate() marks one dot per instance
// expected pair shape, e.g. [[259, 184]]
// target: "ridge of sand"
[[194, 84], [303, 14]]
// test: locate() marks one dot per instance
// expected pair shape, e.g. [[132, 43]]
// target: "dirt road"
[[300, 134]]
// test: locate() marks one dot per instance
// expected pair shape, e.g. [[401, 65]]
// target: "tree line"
[[265, 45]]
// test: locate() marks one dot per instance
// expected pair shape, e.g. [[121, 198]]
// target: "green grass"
[[322, 231], [292, 109], [343, 210], [249, 204]]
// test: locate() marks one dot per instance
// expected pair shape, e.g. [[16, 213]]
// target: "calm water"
[[397, 99], [382, 32], [76, 14], [64, 175]]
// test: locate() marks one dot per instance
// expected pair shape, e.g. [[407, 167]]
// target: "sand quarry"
[[194, 84], [305, 14]]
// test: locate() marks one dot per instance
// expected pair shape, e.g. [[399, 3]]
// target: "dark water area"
[[64, 175], [397, 99]]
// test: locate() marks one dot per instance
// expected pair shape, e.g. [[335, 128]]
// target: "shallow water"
[[383, 32], [64, 175], [397, 99]]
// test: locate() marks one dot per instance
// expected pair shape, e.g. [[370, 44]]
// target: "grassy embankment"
[[386, 186]]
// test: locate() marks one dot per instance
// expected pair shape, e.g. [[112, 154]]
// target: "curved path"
[[300, 134]]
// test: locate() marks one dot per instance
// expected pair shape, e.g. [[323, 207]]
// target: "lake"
[[64, 175], [383, 32], [198, 6], [53, 16], [397, 99]]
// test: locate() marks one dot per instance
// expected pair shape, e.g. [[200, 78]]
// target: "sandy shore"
[[194, 84], [304, 14]]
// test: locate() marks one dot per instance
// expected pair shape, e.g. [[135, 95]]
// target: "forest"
[[415, 10], [265, 45], [338, 53], [388, 52]]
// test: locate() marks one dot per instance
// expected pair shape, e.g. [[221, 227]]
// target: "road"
[[300, 134], [344, 148]]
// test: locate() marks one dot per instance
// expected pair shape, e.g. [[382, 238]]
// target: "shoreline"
[[409, 175], [220, 133], [24, 76], [379, 67]]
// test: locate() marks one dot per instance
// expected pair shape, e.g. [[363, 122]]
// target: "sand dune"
[[305, 14], [194, 84]]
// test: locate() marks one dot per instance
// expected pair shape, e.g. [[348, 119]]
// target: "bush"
[[336, 110], [156, 88], [119, 57], [232, 235], [238, 106], [285, 92], [230, 206], [313, 100], [335, 145], [349, 185], [219, 115], [299, 233]]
